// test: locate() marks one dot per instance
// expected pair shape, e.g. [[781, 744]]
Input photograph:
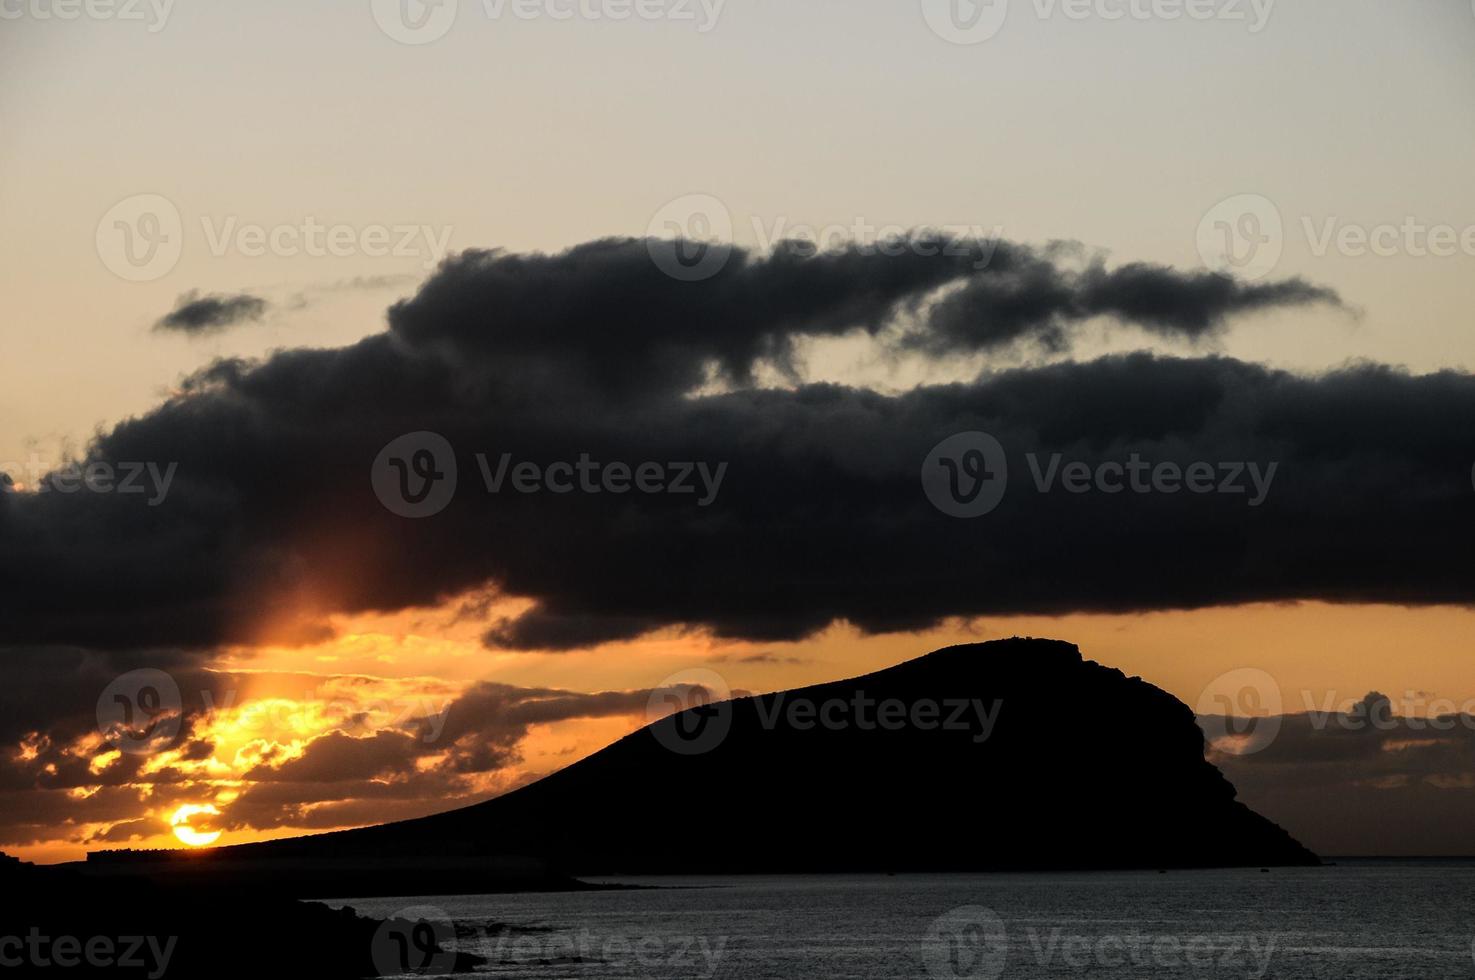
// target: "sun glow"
[[183, 824]]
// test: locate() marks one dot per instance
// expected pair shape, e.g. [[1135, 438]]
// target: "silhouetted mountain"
[[1028, 758]]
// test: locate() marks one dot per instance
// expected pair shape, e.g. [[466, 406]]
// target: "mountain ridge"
[[1051, 761]]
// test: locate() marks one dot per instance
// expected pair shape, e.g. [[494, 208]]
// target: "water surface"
[[1353, 921]]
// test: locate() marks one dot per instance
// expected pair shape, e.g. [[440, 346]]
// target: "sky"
[[293, 177]]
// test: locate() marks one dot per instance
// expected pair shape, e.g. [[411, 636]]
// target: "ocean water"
[[1352, 921]]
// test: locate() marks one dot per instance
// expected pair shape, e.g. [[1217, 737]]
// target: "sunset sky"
[[340, 665]]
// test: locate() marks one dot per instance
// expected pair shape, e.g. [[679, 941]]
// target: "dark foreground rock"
[[56, 921]]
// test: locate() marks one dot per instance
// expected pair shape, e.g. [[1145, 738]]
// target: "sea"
[[1356, 919]]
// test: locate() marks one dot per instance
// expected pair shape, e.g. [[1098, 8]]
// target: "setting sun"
[[183, 824]]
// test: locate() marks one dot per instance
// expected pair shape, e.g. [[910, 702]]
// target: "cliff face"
[[1010, 755]]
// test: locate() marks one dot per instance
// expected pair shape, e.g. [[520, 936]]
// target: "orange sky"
[[415, 664]]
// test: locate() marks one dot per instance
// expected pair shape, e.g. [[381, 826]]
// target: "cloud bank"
[[273, 523]]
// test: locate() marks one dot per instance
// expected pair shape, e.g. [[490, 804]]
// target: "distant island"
[[1015, 755]]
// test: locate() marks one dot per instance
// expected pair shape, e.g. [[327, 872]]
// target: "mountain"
[[1012, 755]]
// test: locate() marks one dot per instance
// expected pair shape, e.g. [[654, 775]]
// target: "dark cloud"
[[1036, 300], [197, 314], [771, 659], [821, 516], [1374, 779], [128, 830]]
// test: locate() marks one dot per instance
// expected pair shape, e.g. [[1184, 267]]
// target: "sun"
[[181, 822]]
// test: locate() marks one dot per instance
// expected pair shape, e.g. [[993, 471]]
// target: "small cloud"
[[763, 658], [195, 314]]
